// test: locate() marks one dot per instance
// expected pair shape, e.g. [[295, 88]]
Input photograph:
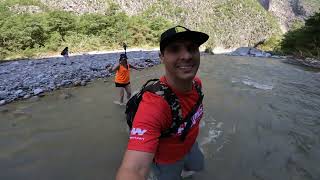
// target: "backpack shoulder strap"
[[166, 92], [194, 109], [161, 89], [176, 111], [133, 103], [177, 116]]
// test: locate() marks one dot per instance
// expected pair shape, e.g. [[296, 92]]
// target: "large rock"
[[34, 98], [3, 95], [2, 102], [242, 51], [38, 91], [248, 51], [26, 96]]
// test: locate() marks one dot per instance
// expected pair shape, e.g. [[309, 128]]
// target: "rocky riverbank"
[[253, 52], [32, 78]]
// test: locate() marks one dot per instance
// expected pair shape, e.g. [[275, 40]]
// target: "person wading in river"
[[122, 77], [163, 134]]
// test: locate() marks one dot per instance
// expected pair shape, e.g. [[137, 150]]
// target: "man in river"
[[170, 157]]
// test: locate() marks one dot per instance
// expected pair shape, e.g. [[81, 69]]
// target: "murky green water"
[[262, 121]]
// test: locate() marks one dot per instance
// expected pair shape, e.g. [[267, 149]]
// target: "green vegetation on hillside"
[[27, 35], [229, 23], [304, 41], [235, 24]]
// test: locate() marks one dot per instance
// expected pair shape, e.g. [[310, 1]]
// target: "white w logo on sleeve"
[[138, 131]]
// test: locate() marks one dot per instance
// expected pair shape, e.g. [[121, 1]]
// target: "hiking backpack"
[[157, 87]]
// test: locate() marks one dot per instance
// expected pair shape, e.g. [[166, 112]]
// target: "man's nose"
[[186, 54]]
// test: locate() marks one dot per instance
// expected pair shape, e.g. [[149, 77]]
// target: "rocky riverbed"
[[253, 52], [32, 78]]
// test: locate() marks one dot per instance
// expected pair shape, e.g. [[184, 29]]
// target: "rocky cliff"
[[230, 23], [288, 11]]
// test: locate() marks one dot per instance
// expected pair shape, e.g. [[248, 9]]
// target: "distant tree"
[[22, 32], [62, 22], [92, 24]]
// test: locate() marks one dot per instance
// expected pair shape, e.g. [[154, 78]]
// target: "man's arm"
[[149, 119], [135, 165]]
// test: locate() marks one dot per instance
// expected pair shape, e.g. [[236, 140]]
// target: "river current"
[[261, 122]]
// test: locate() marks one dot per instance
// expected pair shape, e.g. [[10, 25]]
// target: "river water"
[[261, 122]]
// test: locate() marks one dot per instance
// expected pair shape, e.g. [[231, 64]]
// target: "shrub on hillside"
[[305, 41], [24, 35]]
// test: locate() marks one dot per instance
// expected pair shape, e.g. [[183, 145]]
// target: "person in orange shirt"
[[122, 77]]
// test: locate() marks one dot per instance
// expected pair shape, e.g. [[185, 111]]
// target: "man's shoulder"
[[153, 109], [154, 103], [152, 97]]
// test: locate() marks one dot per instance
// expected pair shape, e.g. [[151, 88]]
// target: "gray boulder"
[[256, 52], [2, 102], [26, 96], [38, 91], [3, 94], [242, 51], [34, 98], [20, 93]]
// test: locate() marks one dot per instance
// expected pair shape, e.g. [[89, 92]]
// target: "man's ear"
[[161, 57]]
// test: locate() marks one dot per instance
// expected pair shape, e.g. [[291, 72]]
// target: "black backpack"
[[159, 88], [64, 51]]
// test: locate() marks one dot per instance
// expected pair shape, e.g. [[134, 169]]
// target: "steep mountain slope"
[[230, 23], [289, 11]]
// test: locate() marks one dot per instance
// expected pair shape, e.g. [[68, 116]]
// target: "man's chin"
[[187, 77]]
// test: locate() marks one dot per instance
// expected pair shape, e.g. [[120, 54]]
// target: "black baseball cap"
[[123, 56], [178, 32]]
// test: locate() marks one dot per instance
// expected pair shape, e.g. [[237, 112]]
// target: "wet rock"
[[242, 51], [66, 82], [38, 91], [83, 83], [2, 102], [3, 95], [256, 52], [27, 96], [51, 87], [77, 83], [19, 93], [311, 62], [34, 98], [248, 51]]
